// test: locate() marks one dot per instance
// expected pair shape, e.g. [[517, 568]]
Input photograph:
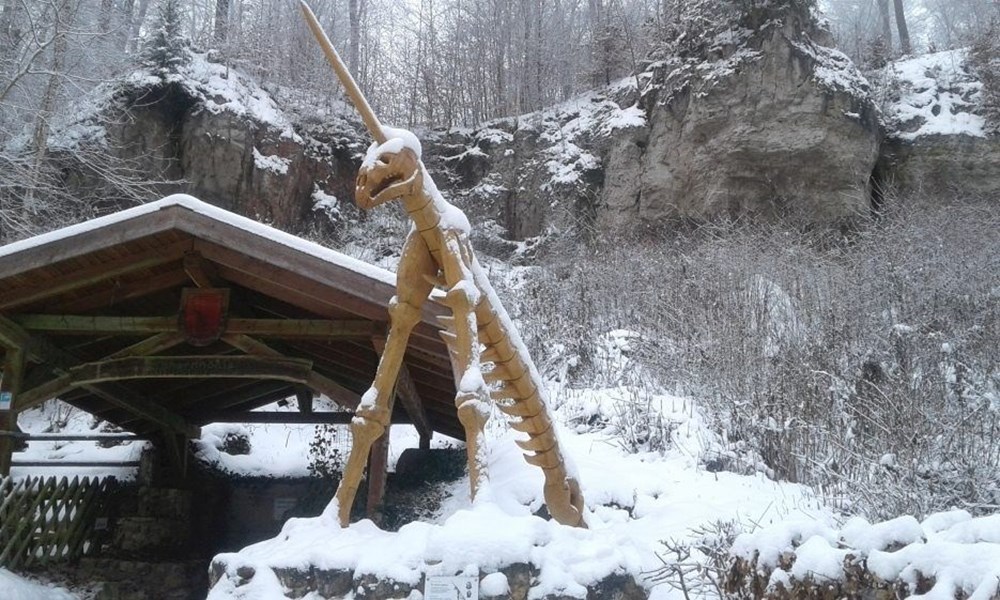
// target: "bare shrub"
[[699, 567], [865, 363]]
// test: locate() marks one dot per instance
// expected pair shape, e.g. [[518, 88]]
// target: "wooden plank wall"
[[45, 520]]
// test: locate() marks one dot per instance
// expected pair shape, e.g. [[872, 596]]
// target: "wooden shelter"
[[176, 314]]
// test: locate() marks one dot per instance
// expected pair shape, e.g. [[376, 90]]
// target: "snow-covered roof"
[[137, 264], [213, 212]]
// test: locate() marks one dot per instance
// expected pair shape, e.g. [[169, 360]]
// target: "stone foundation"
[[336, 584]]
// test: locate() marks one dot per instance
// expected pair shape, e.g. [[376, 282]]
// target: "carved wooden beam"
[[193, 367], [61, 363], [281, 328], [316, 381], [236, 416]]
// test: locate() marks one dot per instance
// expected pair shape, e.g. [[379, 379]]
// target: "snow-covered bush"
[[328, 451], [236, 443], [864, 362]]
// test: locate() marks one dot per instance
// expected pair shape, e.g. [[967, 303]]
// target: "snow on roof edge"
[[213, 212]]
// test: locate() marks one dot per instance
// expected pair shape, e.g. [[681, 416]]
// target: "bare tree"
[[883, 10], [135, 24], [354, 11], [904, 33], [221, 20]]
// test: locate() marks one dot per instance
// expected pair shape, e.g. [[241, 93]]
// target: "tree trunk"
[[354, 45], [64, 18], [137, 25], [128, 18], [104, 19], [904, 33], [221, 20], [9, 36], [883, 10]]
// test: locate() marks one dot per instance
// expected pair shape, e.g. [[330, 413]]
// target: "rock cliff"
[[937, 142], [755, 118], [214, 133]]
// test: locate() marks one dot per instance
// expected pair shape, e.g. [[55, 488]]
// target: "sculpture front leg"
[[472, 399], [373, 414]]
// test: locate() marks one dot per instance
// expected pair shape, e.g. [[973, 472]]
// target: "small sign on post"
[[461, 587], [6, 399]]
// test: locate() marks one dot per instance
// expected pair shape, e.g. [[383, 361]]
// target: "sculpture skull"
[[392, 175]]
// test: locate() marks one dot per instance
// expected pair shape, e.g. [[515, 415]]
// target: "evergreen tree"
[[166, 49]]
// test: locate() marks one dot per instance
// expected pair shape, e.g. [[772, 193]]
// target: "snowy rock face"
[[762, 121], [937, 142], [216, 134], [775, 124]]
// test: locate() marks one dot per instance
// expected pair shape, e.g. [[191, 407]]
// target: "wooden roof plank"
[[85, 277]]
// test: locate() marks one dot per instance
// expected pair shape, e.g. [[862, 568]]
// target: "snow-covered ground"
[[55, 418], [635, 502], [951, 553], [15, 587], [937, 95]]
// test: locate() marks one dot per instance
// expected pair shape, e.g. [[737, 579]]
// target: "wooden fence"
[[45, 520]]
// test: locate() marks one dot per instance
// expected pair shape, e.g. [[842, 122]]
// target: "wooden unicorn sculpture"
[[437, 254]]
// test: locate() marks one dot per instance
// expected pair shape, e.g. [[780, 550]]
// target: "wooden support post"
[[378, 467], [176, 448], [304, 398], [10, 383]]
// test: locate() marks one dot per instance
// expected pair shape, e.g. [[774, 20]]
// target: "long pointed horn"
[[350, 86]]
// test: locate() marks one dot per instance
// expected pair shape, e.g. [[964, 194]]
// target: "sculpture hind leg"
[[372, 415], [472, 399]]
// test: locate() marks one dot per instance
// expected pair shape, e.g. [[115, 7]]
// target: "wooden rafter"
[[121, 293], [93, 274], [201, 272]]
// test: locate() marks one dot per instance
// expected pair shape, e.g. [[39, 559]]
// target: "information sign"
[[462, 587]]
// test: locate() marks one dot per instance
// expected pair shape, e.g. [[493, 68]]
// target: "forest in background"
[[441, 63], [422, 63]]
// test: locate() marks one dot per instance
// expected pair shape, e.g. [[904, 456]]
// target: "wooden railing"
[[46, 520]]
